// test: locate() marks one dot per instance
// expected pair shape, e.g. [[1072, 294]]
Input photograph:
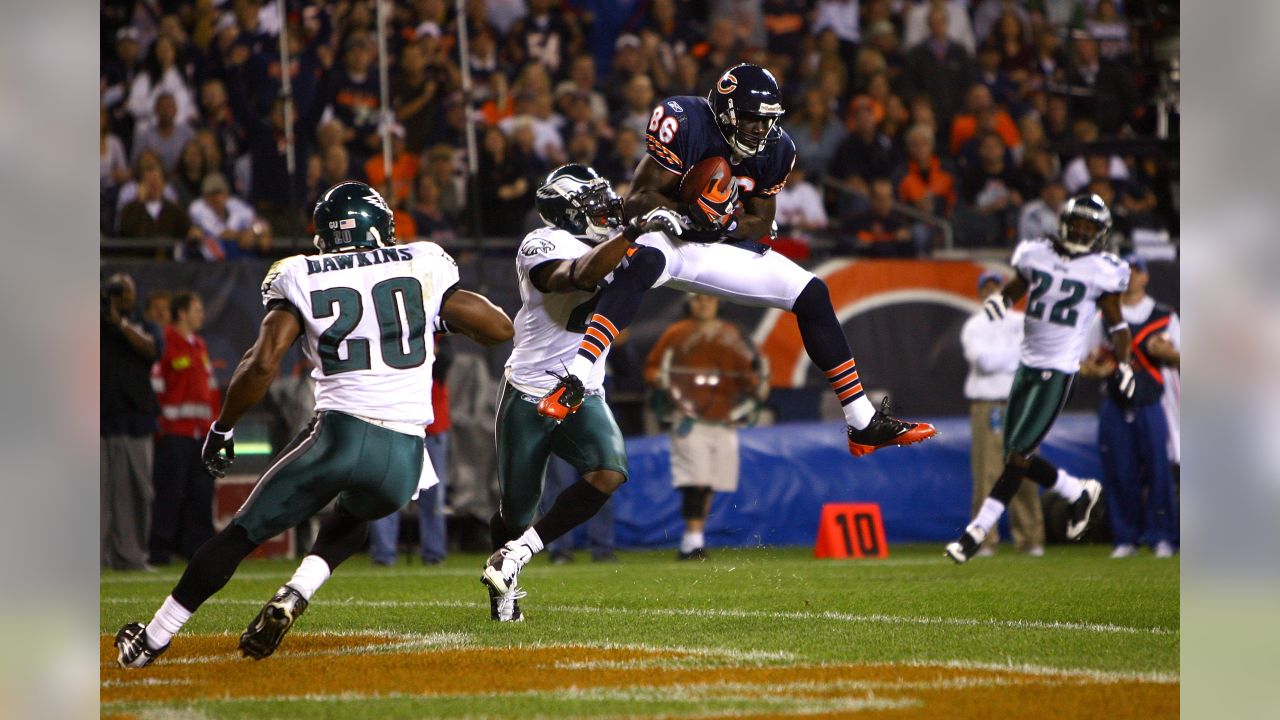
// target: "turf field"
[[748, 633]]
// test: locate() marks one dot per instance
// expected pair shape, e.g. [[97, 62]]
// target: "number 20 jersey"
[[1062, 300], [549, 326], [367, 319]]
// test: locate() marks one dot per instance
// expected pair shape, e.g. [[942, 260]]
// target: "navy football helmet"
[[1083, 224], [577, 200], [747, 104], [353, 215]]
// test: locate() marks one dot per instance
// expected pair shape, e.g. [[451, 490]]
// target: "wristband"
[[224, 433], [1118, 327], [440, 326]]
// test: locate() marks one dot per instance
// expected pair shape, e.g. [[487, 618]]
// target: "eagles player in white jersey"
[[561, 268], [1069, 278], [365, 309]]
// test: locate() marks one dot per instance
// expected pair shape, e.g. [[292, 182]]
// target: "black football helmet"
[[577, 200], [747, 104], [1083, 224], [353, 215]]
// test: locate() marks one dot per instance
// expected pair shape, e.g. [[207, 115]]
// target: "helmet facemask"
[[1083, 225], [748, 133], [594, 209]]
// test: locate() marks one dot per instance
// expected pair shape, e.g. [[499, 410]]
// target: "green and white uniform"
[[367, 319], [548, 330], [1061, 302]]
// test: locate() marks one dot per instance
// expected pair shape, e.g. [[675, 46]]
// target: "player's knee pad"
[[693, 502], [643, 267], [815, 299]]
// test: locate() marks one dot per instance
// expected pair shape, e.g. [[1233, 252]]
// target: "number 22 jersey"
[[367, 318], [1062, 300], [549, 326]]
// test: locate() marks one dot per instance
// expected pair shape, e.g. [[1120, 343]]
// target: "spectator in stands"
[[442, 167], [216, 116], [1133, 433], [504, 190], [113, 166], [882, 37], [161, 76], [1110, 29], [993, 349], [720, 50], [1012, 41], [620, 162], [938, 67], [920, 24], [704, 435], [799, 209], [355, 96], [413, 91], [879, 230], [995, 188], [925, 181], [1003, 89], [384, 533], [152, 215], [166, 137], [980, 110], [158, 309], [128, 192], [785, 23], [1100, 89], [189, 176], [1092, 166], [816, 133], [628, 61], [841, 18], [229, 229], [118, 74], [582, 73], [127, 413], [638, 102], [544, 37], [404, 167], [1057, 120], [864, 154], [1049, 61], [431, 221], [1039, 218], [187, 392]]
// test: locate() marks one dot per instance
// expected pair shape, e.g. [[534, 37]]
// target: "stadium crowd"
[[906, 114]]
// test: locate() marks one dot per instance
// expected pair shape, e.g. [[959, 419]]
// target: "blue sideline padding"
[[790, 470]]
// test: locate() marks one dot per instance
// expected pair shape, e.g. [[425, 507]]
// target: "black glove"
[[215, 443]]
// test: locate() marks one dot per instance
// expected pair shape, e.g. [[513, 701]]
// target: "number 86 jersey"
[[1062, 300], [549, 326], [368, 318]]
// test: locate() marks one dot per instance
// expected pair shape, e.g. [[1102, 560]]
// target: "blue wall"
[[790, 470]]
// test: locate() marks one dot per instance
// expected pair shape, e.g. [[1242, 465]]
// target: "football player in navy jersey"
[[719, 253]]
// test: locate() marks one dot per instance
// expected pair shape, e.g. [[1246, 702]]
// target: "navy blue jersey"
[[683, 130]]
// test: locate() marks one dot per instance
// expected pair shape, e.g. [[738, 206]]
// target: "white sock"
[[531, 540], [858, 413], [1067, 486], [580, 367], [989, 514], [309, 576], [691, 541], [166, 623]]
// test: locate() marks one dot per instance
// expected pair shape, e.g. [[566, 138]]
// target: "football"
[[712, 174]]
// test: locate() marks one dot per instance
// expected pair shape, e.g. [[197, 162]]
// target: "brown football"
[[712, 174]]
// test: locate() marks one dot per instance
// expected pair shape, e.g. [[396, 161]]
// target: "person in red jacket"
[[182, 514]]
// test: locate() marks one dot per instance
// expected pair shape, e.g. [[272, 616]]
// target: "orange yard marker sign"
[[850, 530]]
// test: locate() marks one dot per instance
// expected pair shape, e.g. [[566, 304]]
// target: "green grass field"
[[758, 632]]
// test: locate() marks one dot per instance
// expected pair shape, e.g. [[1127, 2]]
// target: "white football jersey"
[[549, 326], [368, 319], [1062, 299]]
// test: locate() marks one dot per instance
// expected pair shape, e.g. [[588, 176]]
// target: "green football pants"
[[371, 470], [589, 440]]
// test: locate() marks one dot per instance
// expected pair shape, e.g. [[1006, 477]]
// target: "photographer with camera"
[[128, 410]]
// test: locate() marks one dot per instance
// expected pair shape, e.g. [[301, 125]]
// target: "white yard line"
[[713, 613]]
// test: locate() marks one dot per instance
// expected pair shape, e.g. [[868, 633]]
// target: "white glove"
[[1125, 382], [994, 306], [662, 219]]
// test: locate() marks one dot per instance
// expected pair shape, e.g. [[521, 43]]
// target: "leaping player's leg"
[[768, 279], [619, 302]]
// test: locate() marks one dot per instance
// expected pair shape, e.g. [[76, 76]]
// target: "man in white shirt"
[[228, 225], [992, 349]]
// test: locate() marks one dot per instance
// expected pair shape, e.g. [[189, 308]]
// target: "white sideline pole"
[[384, 90], [286, 89]]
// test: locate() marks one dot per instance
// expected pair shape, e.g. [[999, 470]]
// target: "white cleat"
[[1123, 551], [502, 567], [1082, 509], [1164, 549]]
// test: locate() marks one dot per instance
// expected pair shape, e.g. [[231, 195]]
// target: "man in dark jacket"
[[128, 418]]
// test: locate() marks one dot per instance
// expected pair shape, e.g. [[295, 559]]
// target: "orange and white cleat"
[[885, 431], [564, 399]]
